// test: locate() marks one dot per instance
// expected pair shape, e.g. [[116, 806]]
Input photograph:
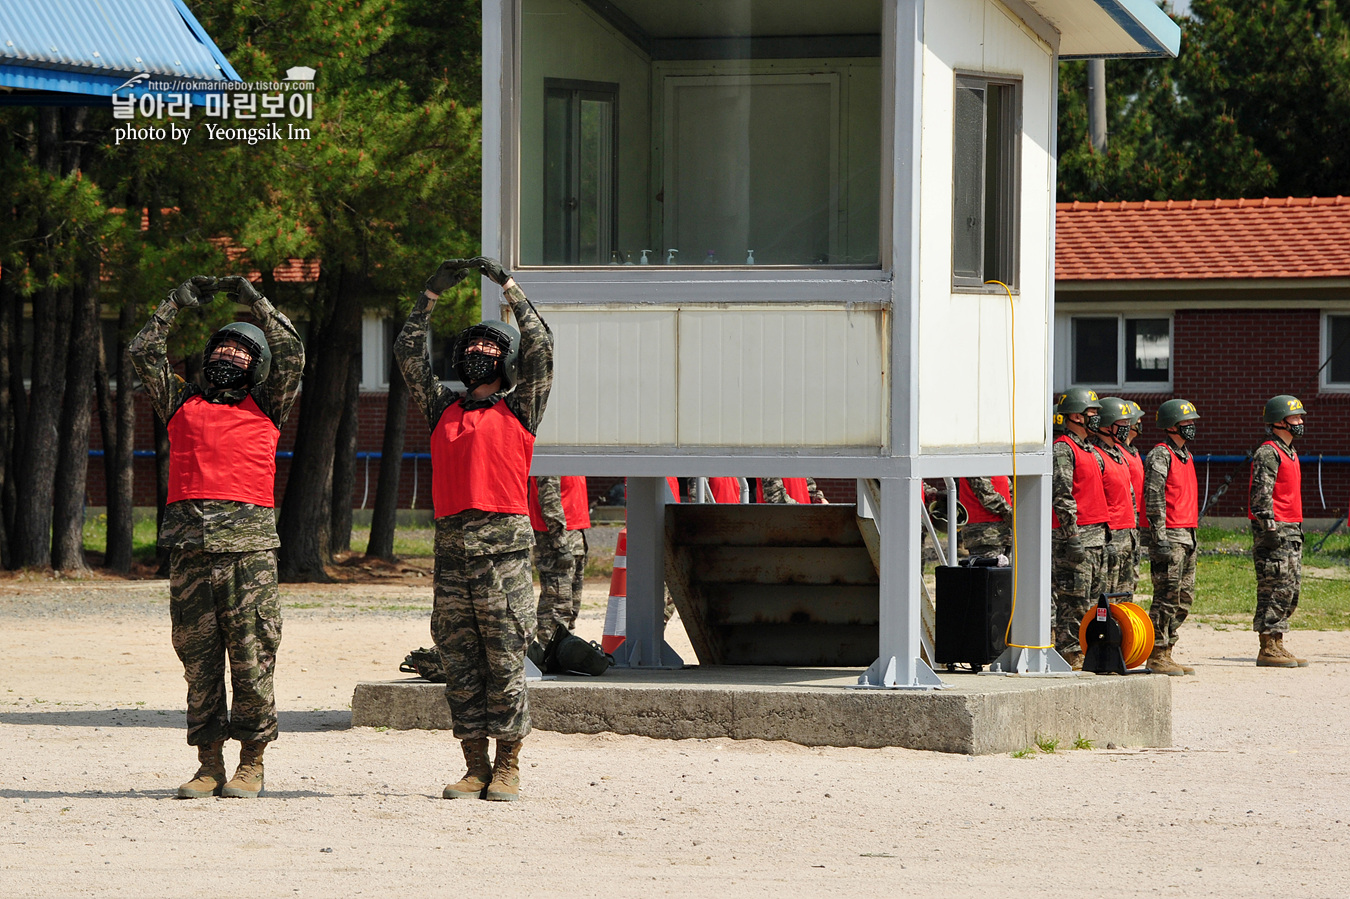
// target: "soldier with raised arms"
[[1079, 515], [482, 443], [1172, 514], [219, 524], [1276, 514]]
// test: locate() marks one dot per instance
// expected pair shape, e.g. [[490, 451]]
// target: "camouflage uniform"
[[483, 614], [1173, 569], [991, 538], [222, 554], [560, 556], [1119, 559], [775, 492], [1279, 569], [1140, 541], [1076, 584]]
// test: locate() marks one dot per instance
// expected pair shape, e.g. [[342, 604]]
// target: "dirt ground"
[[1253, 800]]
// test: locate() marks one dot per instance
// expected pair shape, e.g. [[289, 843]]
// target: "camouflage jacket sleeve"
[[816, 495], [149, 352], [1157, 465], [991, 499], [1265, 468], [535, 365], [414, 361], [277, 394], [775, 492], [1061, 485], [550, 504]]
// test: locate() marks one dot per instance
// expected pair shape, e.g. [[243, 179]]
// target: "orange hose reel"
[[1136, 631]]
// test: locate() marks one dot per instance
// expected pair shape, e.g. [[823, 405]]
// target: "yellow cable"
[[1012, 491]]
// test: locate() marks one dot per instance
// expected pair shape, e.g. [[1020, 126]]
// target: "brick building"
[[1225, 303]]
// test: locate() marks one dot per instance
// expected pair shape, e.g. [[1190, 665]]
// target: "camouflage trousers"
[[482, 618], [1173, 574], [1076, 586], [1279, 575], [226, 604], [1121, 562], [991, 538], [561, 578]]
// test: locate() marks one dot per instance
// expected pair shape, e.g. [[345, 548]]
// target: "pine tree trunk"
[[119, 471], [384, 518], [72, 467], [7, 339], [344, 462]]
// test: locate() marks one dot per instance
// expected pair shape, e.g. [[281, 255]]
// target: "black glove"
[[242, 288], [1074, 551], [194, 291], [450, 273], [1269, 538], [490, 267]]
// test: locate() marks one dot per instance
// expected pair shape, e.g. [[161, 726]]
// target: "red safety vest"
[[1116, 479], [1088, 491], [480, 460], [725, 490], [1136, 462], [1288, 498], [223, 451], [976, 513], [576, 504], [1183, 494], [795, 487]]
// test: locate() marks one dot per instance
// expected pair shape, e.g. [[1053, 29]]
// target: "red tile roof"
[[1203, 239]]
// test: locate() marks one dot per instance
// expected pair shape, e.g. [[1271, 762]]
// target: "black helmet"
[[1278, 408], [499, 332], [251, 338]]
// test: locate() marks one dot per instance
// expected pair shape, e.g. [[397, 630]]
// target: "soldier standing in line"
[[1137, 482], [988, 502], [219, 524], [1172, 513], [560, 514], [482, 442], [1276, 513], [789, 491], [1078, 541], [1118, 576]]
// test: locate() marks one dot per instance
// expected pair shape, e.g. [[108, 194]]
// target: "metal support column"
[[1030, 647], [647, 498]]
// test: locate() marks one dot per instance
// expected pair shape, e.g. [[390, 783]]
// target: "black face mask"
[[1093, 422], [476, 369], [1187, 431], [1296, 430], [224, 375], [1122, 432]]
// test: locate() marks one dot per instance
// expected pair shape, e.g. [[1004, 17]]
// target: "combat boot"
[[505, 786], [1302, 663], [475, 781], [247, 782], [1185, 669], [1160, 662], [210, 776], [1273, 654]]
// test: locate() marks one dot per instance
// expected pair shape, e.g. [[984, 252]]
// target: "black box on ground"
[[973, 606]]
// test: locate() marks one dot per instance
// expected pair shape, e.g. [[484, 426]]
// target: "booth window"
[[985, 181], [750, 134], [1120, 352], [1336, 352]]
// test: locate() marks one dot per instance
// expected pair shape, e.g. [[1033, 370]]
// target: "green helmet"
[[1115, 409], [1057, 421], [1173, 412], [252, 338], [1079, 399], [1278, 408]]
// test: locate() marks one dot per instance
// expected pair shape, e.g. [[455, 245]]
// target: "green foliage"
[[1082, 742], [1028, 752], [1047, 744]]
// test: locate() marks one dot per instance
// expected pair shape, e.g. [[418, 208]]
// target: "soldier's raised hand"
[[447, 275], [491, 268], [194, 291], [242, 288]]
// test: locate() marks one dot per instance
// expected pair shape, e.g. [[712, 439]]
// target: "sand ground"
[[1252, 800]]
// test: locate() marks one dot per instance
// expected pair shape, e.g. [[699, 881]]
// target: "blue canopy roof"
[[90, 48]]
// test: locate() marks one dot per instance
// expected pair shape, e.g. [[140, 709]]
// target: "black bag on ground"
[[567, 653], [426, 664]]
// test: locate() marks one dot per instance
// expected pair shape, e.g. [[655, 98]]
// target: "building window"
[[580, 172], [1336, 352], [985, 181], [1119, 352]]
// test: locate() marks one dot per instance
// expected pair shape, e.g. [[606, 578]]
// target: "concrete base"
[[976, 715]]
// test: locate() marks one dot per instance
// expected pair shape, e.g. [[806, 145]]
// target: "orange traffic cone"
[[616, 614]]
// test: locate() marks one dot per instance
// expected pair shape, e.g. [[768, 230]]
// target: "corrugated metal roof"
[[93, 46]]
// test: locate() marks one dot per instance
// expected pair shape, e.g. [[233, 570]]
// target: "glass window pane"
[[969, 184], [1338, 333], [1095, 351], [1148, 349], [595, 173], [558, 167]]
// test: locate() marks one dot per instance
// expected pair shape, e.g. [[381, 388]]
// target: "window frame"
[[1007, 252], [1066, 343], [579, 91], [1324, 382]]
